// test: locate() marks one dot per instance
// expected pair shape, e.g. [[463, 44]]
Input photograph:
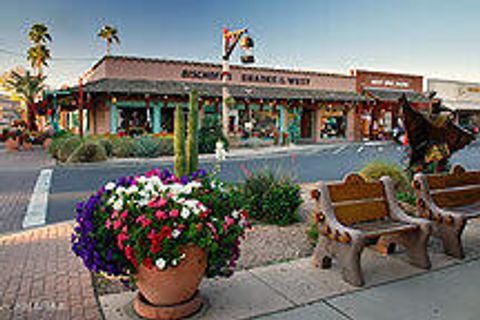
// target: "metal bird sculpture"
[[432, 138]]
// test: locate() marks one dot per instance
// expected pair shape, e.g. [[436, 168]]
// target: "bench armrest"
[[396, 213]]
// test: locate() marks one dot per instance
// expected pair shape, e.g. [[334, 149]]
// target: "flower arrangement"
[[147, 219]]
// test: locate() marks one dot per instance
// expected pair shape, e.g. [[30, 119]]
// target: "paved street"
[[19, 171], [71, 183]]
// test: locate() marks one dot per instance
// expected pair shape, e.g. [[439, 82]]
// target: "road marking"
[[337, 151], [360, 149], [37, 208]]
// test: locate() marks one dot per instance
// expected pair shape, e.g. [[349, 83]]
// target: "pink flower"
[[125, 229], [161, 215], [120, 239], [161, 202], [143, 220], [228, 222], [124, 214], [117, 224], [174, 213], [108, 223]]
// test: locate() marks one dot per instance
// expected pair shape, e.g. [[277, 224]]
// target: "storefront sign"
[[390, 83], [200, 74], [259, 78]]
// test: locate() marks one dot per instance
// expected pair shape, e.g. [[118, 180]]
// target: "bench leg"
[[451, 236], [416, 245], [322, 256], [349, 260]]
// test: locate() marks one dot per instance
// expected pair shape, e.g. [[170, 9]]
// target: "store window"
[[333, 123]]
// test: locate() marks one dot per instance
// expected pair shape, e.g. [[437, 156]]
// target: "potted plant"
[[162, 233], [27, 141], [11, 140]]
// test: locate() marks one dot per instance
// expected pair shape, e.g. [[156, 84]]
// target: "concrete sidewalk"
[[297, 290]]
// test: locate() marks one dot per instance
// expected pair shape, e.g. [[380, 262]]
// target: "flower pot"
[[171, 293], [46, 143], [27, 146], [11, 144]]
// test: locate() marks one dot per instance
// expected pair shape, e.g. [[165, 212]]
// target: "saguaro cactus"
[[192, 139], [179, 147]]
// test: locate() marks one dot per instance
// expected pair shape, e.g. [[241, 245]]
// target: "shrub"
[[272, 198], [374, 170], [88, 151], [68, 146], [57, 141], [209, 134], [147, 147], [107, 145], [166, 145], [123, 147]]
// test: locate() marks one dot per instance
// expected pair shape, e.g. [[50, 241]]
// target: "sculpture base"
[[177, 311]]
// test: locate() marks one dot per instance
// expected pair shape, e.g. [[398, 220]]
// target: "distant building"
[[8, 110], [461, 97]]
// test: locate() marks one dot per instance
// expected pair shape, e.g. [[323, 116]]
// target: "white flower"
[[155, 180], [195, 184], [132, 189], [118, 205], [176, 233], [120, 190], [142, 202], [174, 262], [110, 186], [235, 214], [161, 263], [187, 189], [185, 213], [142, 179]]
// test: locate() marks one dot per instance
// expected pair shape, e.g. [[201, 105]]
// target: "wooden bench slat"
[[444, 181], [456, 197], [383, 227], [350, 213], [346, 192]]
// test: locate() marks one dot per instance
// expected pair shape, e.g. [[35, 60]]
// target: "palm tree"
[[110, 35], [27, 87], [38, 57], [39, 53]]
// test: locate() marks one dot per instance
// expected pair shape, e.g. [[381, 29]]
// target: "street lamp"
[[230, 40]]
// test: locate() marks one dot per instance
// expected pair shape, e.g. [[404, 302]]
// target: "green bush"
[[147, 147], [57, 141], [68, 146], [107, 145], [123, 147], [374, 170], [272, 198], [166, 146], [209, 133], [88, 151]]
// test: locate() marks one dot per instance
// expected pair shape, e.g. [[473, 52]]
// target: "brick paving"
[[18, 174], [42, 279]]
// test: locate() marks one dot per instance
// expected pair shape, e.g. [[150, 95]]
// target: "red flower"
[[199, 227], [155, 247], [147, 262], [166, 232]]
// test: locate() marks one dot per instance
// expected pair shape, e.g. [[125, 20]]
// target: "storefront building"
[[380, 118], [126, 92], [463, 98]]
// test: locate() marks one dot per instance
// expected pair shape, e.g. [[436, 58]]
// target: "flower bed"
[[147, 220]]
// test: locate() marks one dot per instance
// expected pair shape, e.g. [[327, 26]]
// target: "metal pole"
[[80, 108], [225, 94]]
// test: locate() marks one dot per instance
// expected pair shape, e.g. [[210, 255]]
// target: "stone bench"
[[449, 200], [354, 212]]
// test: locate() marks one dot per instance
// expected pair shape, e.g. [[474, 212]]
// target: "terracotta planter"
[[27, 146], [171, 293], [46, 143], [11, 144]]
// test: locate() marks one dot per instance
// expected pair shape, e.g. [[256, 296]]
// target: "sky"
[[437, 39]]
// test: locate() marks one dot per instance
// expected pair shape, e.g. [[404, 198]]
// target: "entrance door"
[[306, 124]]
